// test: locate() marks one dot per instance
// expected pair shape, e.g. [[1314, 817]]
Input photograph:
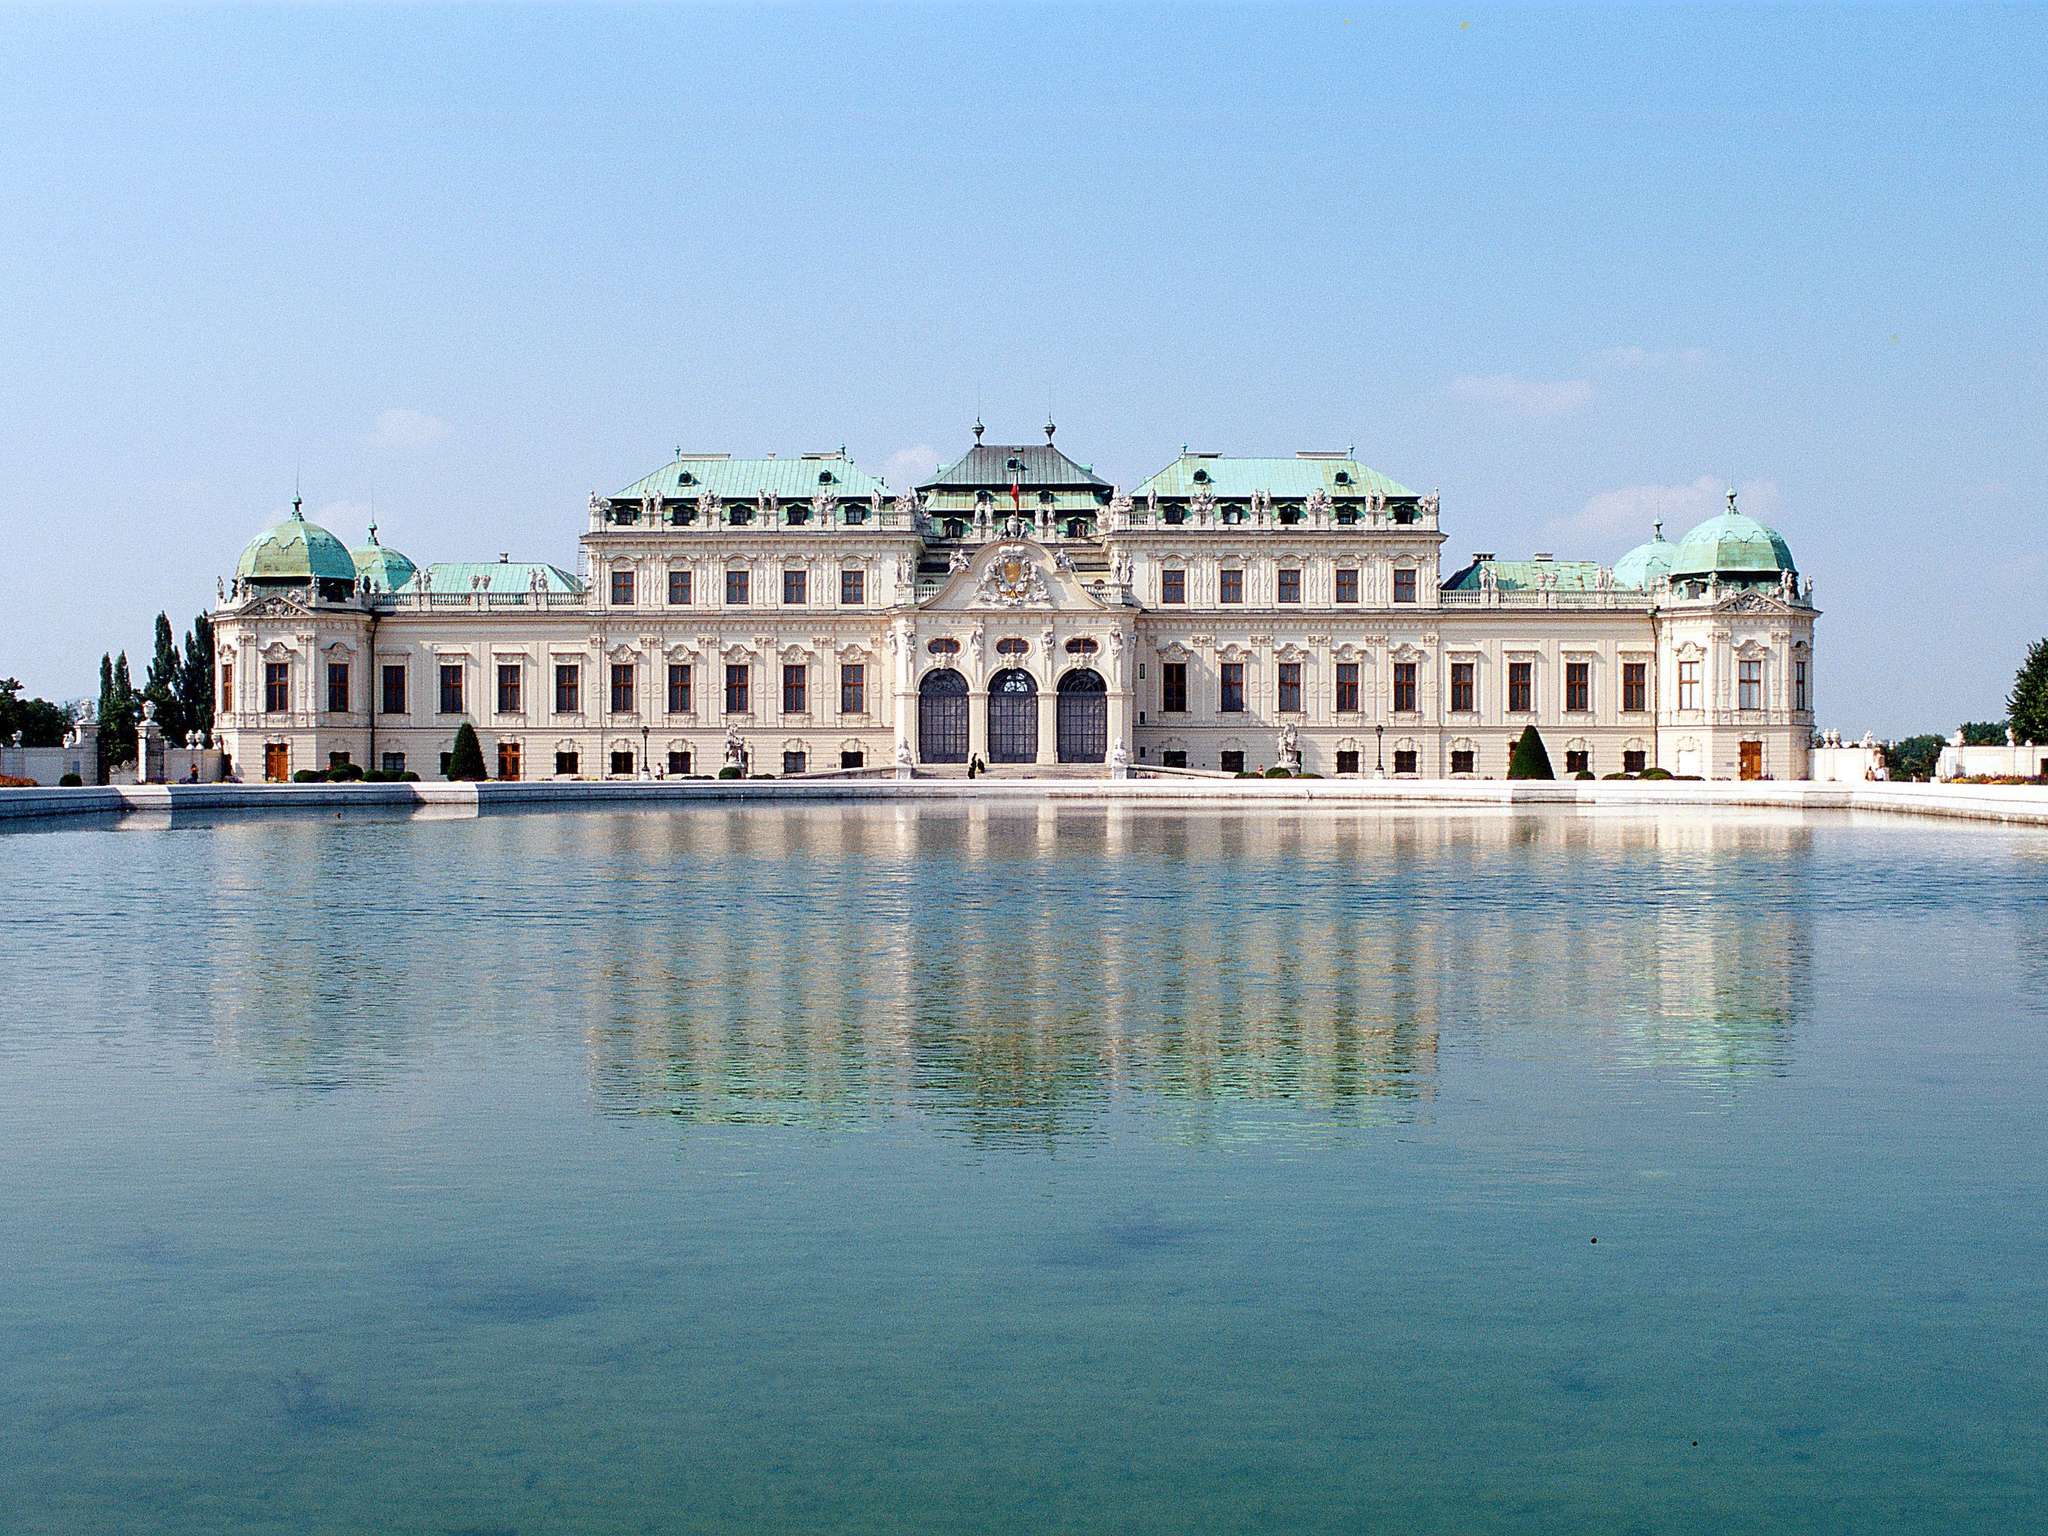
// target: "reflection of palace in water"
[[1031, 972]]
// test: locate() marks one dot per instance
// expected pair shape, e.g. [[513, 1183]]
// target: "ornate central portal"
[[942, 717], [1012, 717]]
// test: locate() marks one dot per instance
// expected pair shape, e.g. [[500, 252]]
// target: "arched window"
[[1082, 647], [944, 647]]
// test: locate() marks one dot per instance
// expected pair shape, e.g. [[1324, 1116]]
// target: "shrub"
[[309, 776], [466, 761], [408, 777], [1278, 773], [731, 772], [1529, 760], [71, 781], [1583, 773], [1655, 773], [1246, 773], [345, 773], [1308, 775], [1617, 775]]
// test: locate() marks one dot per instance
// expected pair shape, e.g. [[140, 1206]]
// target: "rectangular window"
[[853, 688], [622, 764], [622, 589], [852, 757], [1347, 687], [1404, 687], [1461, 760], [451, 688], [796, 586], [679, 589], [1347, 584], [567, 764], [1464, 686], [1230, 586], [1635, 686], [1749, 685], [792, 762], [393, 681], [622, 687], [1290, 687], [1521, 687], [1347, 761], [736, 688], [446, 759], [1173, 586], [1233, 687], [1689, 684], [794, 677], [1578, 760], [1290, 585], [1404, 584], [510, 700], [679, 700], [392, 762], [1173, 687], [678, 762], [277, 687], [508, 760], [853, 587], [1404, 760], [1799, 684], [735, 589], [1578, 685], [1635, 760], [1174, 757], [227, 685], [337, 760], [1232, 762], [337, 687], [568, 688]]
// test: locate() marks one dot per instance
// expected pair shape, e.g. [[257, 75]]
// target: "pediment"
[[276, 606], [1752, 601], [1012, 576]]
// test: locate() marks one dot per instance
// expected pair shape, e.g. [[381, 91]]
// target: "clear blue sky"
[[1577, 268]]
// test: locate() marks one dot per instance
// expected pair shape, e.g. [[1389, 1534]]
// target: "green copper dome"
[[1647, 564], [296, 550], [382, 570], [1732, 544]]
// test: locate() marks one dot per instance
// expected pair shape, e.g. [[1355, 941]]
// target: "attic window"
[[686, 478], [1201, 477], [824, 477], [1343, 477], [1013, 463], [1045, 498]]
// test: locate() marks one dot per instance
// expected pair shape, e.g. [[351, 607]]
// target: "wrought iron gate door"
[[1012, 718], [1083, 717], [942, 718]]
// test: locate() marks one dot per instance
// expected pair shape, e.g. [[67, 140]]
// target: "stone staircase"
[[1018, 771]]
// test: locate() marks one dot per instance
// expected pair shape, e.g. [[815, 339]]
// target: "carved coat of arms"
[[1012, 579]]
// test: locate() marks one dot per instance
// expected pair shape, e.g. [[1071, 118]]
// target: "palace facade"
[[1225, 614]]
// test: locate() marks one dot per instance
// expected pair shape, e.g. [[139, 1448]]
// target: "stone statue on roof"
[[1430, 503], [1319, 502]]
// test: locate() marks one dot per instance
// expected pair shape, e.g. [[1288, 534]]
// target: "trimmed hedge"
[[731, 772], [1530, 759], [71, 781], [466, 760]]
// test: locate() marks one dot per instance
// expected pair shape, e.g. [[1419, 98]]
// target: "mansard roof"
[[450, 578], [996, 466], [692, 474], [1527, 575], [1284, 479]]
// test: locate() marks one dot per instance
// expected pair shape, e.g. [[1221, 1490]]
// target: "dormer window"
[[1045, 498], [1013, 462], [824, 477], [1233, 515], [1346, 516], [1201, 477], [1343, 477], [686, 478], [1176, 515]]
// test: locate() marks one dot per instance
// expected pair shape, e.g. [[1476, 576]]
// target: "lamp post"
[[646, 772], [1379, 754]]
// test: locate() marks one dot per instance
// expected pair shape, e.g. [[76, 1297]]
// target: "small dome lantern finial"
[[978, 428], [1049, 429], [1731, 498]]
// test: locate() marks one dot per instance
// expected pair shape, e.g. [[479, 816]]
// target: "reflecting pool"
[[1023, 1169]]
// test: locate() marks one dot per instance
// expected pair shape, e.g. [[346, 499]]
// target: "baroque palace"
[[795, 615]]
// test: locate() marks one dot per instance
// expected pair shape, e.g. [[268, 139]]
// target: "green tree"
[[467, 760], [1913, 757], [1983, 733], [2029, 701], [1530, 759], [160, 686], [119, 710], [41, 723], [195, 681]]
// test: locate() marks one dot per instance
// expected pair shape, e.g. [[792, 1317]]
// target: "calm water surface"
[[1019, 1170]]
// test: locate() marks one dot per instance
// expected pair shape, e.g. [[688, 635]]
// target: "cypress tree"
[[195, 678], [118, 713], [2028, 707], [1529, 760], [467, 760], [161, 687]]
